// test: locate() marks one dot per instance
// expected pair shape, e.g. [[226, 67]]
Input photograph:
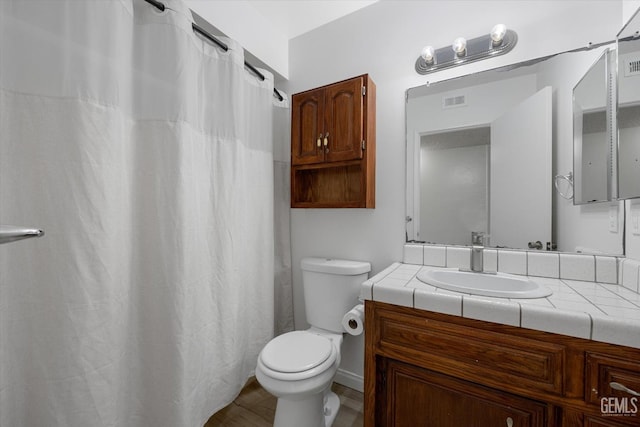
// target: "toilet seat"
[[297, 355], [296, 352]]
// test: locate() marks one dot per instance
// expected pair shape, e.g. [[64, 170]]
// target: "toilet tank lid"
[[335, 266]]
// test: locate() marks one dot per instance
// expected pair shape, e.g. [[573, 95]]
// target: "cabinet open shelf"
[[322, 186]]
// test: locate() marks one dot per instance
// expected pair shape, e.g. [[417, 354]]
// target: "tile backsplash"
[[591, 268], [629, 274]]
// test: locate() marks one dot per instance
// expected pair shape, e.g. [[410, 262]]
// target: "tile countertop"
[[598, 311]]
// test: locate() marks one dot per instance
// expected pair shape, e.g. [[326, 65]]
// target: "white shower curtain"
[[283, 280], [145, 152]]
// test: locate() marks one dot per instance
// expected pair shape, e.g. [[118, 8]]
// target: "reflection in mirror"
[[459, 161], [479, 152], [593, 137], [483, 152], [628, 115]]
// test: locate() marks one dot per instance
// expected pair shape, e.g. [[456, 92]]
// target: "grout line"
[[446, 256], [586, 298]]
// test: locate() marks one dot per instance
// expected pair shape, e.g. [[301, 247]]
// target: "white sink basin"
[[501, 285]]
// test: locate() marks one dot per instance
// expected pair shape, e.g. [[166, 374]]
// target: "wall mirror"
[[628, 114], [594, 149], [480, 152]]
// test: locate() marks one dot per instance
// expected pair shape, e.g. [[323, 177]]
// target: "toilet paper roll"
[[353, 321]]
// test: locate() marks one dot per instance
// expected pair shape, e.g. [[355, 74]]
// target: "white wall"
[[629, 7], [384, 40], [632, 232]]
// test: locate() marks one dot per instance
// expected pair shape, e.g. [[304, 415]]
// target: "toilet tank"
[[331, 289]]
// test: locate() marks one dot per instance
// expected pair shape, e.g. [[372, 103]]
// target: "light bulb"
[[497, 34], [459, 46], [427, 54]]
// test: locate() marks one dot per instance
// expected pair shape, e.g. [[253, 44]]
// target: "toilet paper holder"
[[353, 320]]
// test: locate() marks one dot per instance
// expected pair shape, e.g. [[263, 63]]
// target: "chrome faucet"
[[477, 260], [477, 251]]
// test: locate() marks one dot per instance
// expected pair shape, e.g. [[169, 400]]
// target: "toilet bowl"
[[299, 367]]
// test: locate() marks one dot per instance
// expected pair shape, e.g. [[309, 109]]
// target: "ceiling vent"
[[631, 67], [454, 101]]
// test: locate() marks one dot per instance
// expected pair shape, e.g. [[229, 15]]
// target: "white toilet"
[[298, 367]]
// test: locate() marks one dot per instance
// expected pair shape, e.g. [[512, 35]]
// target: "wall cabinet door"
[[307, 127], [419, 397], [327, 123], [344, 121]]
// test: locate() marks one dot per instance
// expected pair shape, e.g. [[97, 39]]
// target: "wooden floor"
[[255, 407]]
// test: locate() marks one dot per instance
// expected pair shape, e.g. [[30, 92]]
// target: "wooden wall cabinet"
[[436, 370], [333, 145]]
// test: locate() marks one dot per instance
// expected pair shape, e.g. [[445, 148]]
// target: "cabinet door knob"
[[509, 422], [319, 141], [326, 139]]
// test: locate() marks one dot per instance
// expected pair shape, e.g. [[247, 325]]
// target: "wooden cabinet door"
[[608, 422], [344, 120], [418, 397], [307, 127], [574, 418]]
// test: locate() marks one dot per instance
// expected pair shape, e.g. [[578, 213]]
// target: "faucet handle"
[[535, 245], [479, 238]]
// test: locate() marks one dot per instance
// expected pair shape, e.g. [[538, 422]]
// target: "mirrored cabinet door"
[[593, 133], [628, 114]]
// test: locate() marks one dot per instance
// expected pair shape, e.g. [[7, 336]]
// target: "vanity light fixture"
[[497, 34], [498, 42], [459, 47], [427, 54]]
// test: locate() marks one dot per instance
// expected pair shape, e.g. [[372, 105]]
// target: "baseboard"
[[351, 380]]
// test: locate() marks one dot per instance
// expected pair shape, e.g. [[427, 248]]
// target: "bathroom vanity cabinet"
[[333, 145], [431, 369]]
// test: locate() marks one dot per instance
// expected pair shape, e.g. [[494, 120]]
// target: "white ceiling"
[[295, 17]]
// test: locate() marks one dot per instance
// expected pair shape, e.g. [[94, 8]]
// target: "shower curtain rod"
[[160, 6]]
